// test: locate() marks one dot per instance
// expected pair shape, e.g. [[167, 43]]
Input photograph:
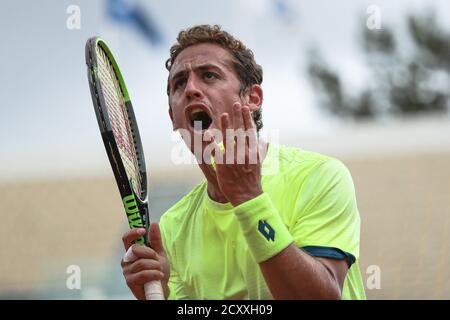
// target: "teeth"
[[196, 110]]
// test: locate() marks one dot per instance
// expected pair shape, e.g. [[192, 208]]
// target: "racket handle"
[[153, 289]]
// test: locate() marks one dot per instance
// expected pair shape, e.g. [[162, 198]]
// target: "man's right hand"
[[151, 264]]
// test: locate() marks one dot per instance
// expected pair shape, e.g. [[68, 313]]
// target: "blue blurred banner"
[[134, 14], [284, 11]]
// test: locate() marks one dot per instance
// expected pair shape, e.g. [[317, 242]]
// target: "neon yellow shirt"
[[314, 195]]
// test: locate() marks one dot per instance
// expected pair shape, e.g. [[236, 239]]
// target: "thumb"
[[155, 239]]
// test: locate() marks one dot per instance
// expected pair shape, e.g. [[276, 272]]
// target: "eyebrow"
[[201, 67]]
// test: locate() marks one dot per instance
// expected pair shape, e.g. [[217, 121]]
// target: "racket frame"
[[136, 206]]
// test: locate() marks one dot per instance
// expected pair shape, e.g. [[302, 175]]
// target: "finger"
[[132, 235], [225, 126], [240, 147], [251, 137], [228, 140], [217, 152], [143, 264], [238, 121], [143, 252], [137, 252], [142, 277], [155, 239], [247, 116], [207, 153], [138, 265]]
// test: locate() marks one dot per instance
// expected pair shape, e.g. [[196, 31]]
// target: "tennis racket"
[[122, 141]]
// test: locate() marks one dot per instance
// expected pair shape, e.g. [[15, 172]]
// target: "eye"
[[179, 82], [209, 75]]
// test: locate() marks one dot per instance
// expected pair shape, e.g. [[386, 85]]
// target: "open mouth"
[[199, 119]]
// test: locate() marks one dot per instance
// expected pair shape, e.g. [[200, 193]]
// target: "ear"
[[255, 97]]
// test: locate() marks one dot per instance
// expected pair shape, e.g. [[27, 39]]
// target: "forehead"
[[201, 54]]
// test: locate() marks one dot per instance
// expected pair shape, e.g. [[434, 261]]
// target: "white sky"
[[47, 123]]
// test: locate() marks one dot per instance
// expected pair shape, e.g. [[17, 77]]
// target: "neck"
[[213, 188]]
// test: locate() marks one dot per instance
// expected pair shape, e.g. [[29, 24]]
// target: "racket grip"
[[153, 289]]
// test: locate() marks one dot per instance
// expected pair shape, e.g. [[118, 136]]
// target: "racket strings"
[[120, 122]]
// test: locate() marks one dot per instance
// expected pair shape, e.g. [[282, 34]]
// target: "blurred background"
[[367, 82]]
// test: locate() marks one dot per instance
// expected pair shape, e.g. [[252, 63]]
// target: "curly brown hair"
[[247, 70]]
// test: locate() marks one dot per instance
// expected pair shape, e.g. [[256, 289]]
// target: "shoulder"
[[304, 164]]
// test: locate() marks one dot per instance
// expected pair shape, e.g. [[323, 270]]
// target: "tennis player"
[[248, 231]]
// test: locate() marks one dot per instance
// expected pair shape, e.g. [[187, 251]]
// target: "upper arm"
[[336, 268], [327, 226]]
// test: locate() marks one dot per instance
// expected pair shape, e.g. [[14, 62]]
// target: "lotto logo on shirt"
[[266, 230]]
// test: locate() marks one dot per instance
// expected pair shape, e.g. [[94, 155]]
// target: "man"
[[243, 233]]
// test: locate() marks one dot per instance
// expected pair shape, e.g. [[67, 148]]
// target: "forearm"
[[293, 274], [289, 272]]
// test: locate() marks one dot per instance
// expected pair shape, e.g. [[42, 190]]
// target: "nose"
[[192, 89]]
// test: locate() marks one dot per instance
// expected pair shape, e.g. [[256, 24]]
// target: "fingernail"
[[141, 232]]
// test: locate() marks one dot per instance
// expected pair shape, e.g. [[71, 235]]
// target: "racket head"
[[119, 131]]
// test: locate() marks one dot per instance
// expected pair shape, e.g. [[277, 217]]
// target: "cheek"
[[178, 120], [225, 104], [177, 112]]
